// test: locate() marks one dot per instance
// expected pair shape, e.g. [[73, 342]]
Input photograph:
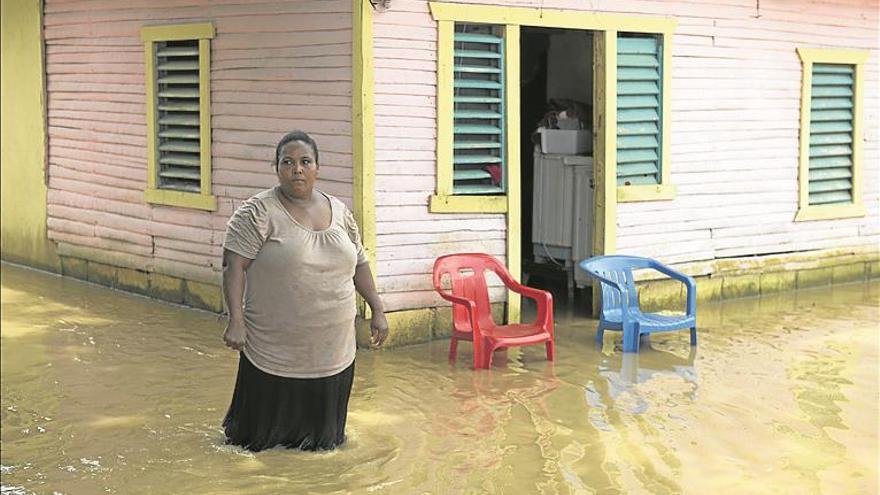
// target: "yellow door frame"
[[606, 27], [363, 133]]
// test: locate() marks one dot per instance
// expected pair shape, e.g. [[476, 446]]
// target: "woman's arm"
[[234, 266], [363, 283]]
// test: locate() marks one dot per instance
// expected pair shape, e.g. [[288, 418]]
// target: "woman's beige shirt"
[[299, 304]]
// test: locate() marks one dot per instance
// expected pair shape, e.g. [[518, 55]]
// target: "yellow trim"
[[202, 32], [605, 158], [804, 144], [363, 134], [626, 194], [364, 127], [152, 118], [445, 106], [205, 116], [177, 32], [552, 18], [857, 59], [832, 56], [831, 212], [666, 164], [664, 191], [468, 204], [514, 191], [23, 174], [605, 147], [180, 198]]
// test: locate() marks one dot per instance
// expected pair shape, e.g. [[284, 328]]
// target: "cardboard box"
[[565, 141]]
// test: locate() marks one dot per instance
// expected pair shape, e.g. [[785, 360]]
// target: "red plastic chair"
[[472, 313]]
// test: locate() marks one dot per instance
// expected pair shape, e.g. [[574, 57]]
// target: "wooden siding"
[[276, 65], [735, 114], [736, 83], [409, 237]]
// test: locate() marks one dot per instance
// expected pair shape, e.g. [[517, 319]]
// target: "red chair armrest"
[[543, 299], [469, 305]]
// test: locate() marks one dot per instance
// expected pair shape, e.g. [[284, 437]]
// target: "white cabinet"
[[562, 212]]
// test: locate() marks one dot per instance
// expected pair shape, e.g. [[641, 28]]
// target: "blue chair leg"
[[631, 338], [600, 333], [693, 335]]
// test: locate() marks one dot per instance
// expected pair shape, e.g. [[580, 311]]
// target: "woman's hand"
[[363, 283], [235, 334], [378, 329], [234, 267]]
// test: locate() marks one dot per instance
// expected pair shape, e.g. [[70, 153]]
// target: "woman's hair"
[[291, 137]]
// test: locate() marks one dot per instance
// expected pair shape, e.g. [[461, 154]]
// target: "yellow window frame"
[[857, 59], [447, 14], [665, 190], [445, 201], [150, 35]]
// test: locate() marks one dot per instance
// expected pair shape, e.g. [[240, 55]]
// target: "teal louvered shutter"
[[478, 144], [639, 109], [178, 105], [831, 134]]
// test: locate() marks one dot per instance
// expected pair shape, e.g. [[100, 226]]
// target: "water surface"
[[104, 392]]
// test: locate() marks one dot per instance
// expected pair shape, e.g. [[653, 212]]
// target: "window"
[[830, 149], [473, 127], [178, 115], [462, 167], [642, 102], [478, 142]]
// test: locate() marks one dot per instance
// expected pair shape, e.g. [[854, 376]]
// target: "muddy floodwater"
[[104, 392]]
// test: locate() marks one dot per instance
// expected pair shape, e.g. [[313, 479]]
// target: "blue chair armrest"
[[687, 280]]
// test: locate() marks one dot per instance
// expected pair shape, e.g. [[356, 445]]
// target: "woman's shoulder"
[[263, 196], [257, 205], [335, 202], [259, 200]]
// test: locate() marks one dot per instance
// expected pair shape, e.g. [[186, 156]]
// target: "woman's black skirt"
[[297, 413]]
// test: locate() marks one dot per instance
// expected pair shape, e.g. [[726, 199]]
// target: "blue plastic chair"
[[620, 300]]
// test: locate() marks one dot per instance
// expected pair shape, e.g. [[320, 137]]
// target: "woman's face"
[[297, 169]]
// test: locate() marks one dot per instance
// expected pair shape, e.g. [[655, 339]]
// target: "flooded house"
[[735, 140]]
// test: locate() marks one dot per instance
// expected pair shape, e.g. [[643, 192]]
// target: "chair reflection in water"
[[624, 372], [620, 300], [641, 367], [472, 312]]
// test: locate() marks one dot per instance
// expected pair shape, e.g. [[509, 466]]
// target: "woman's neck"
[[305, 201]]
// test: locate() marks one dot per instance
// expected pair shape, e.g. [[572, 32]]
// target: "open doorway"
[[556, 109]]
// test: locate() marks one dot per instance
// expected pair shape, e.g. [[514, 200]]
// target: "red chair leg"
[[478, 359], [551, 350], [453, 348], [489, 354]]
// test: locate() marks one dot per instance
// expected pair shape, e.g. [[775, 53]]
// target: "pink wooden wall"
[[734, 138], [276, 66], [736, 86], [409, 237]]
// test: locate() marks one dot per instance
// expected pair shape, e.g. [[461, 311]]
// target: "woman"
[[299, 250]]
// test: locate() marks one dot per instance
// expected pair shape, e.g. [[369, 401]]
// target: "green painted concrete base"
[[753, 278], [729, 280], [156, 285]]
